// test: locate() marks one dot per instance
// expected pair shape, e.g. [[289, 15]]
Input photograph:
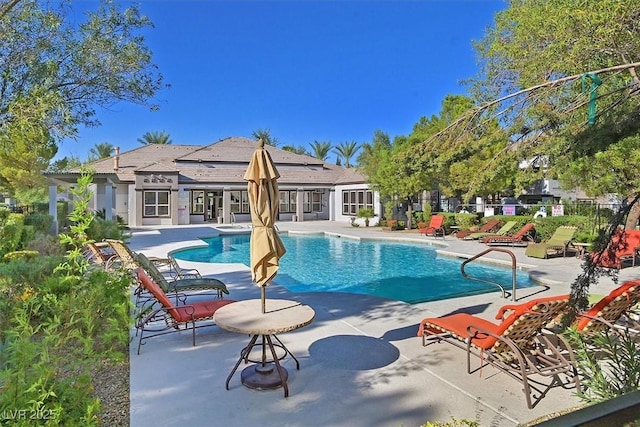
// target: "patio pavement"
[[361, 363]]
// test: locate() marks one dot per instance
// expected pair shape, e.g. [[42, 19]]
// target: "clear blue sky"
[[306, 70]]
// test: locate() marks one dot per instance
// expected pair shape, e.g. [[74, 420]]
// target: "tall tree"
[[265, 136], [298, 150], [561, 96], [66, 163], [55, 72], [371, 154], [346, 150], [389, 174], [100, 151], [155, 138], [560, 77], [321, 149]]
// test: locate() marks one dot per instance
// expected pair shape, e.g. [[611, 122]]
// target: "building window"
[[312, 201], [197, 202], [236, 199], [288, 201], [354, 200], [156, 203], [239, 202], [316, 202], [245, 202]]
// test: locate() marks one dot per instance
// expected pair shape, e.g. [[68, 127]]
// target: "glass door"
[[214, 205]]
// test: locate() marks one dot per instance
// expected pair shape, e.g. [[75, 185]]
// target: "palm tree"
[[347, 150], [100, 151], [265, 136], [297, 150], [321, 150], [155, 138]]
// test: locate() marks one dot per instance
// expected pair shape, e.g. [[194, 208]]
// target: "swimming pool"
[[401, 271]]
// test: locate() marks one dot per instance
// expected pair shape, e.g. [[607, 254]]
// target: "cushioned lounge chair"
[[202, 285], [610, 310], [503, 231], [521, 238], [177, 272], [517, 345], [622, 249], [167, 316], [558, 243], [487, 227], [435, 227]]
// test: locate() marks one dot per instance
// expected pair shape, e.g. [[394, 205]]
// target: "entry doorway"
[[213, 205]]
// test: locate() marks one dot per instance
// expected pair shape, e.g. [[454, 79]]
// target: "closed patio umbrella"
[[266, 246]]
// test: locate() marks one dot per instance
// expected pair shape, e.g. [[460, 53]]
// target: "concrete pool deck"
[[361, 363]]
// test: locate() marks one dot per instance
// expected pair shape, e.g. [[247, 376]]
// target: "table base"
[[265, 377], [267, 374]]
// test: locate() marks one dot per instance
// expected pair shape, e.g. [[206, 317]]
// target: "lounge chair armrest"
[[151, 315], [500, 314], [205, 281], [597, 319], [506, 340], [473, 331], [159, 261]]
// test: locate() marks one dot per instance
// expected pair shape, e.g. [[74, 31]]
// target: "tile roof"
[[239, 149], [223, 162]]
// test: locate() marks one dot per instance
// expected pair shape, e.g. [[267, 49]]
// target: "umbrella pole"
[[263, 298]]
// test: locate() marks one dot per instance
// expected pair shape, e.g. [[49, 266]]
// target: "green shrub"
[[40, 222], [101, 229], [389, 206], [45, 245], [365, 213], [466, 221], [545, 227], [612, 370], [56, 324], [28, 234], [11, 229], [426, 212], [62, 214], [15, 255]]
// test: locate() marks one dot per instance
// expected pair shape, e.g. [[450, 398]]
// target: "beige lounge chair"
[[558, 243], [127, 257]]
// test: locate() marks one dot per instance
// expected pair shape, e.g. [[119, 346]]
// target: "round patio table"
[[246, 317]]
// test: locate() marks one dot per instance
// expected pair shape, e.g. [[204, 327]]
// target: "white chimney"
[[116, 159]]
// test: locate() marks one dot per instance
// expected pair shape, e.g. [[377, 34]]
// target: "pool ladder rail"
[[513, 271]]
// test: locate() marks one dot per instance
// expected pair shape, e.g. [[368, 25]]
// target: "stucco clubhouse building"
[[166, 184]]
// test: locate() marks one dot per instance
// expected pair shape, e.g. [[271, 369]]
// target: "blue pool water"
[[406, 272]]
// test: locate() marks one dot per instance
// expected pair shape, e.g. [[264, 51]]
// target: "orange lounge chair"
[[516, 345], [488, 227], [170, 317], [611, 309], [623, 248], [435, 227], [521, 238]]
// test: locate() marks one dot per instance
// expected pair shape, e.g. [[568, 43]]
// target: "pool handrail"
[[513, 270]]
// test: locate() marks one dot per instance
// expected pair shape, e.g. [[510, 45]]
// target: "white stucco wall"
[[339, 217]]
